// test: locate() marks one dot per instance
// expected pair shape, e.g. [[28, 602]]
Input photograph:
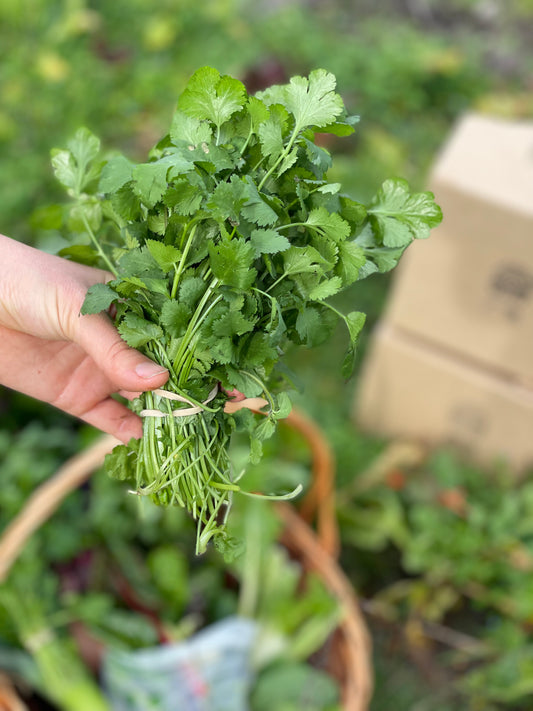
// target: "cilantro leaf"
[[232, 261], [189, 129], [312, 101], [150, 182], [175, 316], [116, 172], [398, 216], [309, 326], [165, 255], [268, 242], [99, 298], [325, 289], [210, 96], [330, 224], [137, 331]]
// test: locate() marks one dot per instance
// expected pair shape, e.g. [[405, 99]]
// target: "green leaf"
[[312, 101], [256, 209], [189, 129], [355, 321], [126, 203], [175, 317], [326, 289], [232, 323], [268, 242], [272, 133], [244, 382], [191, 290], [257, 111], [185, 196], [84, 146], [231, 262], [137, 331], [350, 260], [330, 223], [82, 214], [115, 173], [399, 216], [301, 260], [150, 182], [65, 168], [227, 200], [283, 406], [99, 298], [309, 326], [210, 96], [121, 462], [81, 253], [165, 255], [139, 262]]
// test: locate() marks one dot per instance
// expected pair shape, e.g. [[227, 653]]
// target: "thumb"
[[125, 367]]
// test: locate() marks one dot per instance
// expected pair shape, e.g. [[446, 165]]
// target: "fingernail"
[[149, 370]]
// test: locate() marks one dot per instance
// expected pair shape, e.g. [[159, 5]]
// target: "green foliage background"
[[409, 69]]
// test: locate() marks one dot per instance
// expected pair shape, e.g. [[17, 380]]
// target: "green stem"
[[181, 266], [283, 155], [99, 249]]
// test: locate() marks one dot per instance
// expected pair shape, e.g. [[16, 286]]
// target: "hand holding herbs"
[[225, 246], [50, 353]]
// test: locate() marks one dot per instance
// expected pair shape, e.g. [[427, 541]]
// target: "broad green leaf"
[[257, 111], [185, 196], [312, 101], [99, 298], [400, 216], [175, 316], [165, 255], [326, 289], [256, 209], [330, 223], [227, 200], [189, 129], [232, 323], [268, 242], [350, 261], [210, 96], [117, 172], [150, 182], [231, 262], [137, 331], [309, 326], [84, 146], [301, 260], [83, 214], [65, 168], [191, 289], [272, 133]]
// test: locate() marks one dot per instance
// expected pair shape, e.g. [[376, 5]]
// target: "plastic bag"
[[209, 672]]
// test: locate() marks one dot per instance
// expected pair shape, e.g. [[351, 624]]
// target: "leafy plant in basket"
[[223, 249], [117, 577]]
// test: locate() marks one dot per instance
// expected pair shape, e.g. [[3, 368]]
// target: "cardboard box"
[[411, 390], [469, 287]]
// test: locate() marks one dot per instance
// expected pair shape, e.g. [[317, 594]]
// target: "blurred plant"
[[466, 552]]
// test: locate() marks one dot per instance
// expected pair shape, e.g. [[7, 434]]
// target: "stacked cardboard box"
[[453, 358]]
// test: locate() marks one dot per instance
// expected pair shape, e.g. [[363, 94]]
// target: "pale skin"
[[50, 352]]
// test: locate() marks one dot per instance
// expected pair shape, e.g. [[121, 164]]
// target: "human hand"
[[50, 352]]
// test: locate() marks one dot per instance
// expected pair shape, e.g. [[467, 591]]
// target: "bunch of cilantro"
[[225, 246]]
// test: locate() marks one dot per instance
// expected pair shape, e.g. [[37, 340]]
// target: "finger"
[[128, 395], [114, 418], [126, 367]]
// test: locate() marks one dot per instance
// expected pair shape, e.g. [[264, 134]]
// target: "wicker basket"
[[316, 547]]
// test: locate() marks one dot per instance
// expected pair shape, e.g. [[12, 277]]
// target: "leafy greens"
[[225, 246]]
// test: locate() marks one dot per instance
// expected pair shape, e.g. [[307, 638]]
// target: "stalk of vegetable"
[[225, 246], [63, 677]]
